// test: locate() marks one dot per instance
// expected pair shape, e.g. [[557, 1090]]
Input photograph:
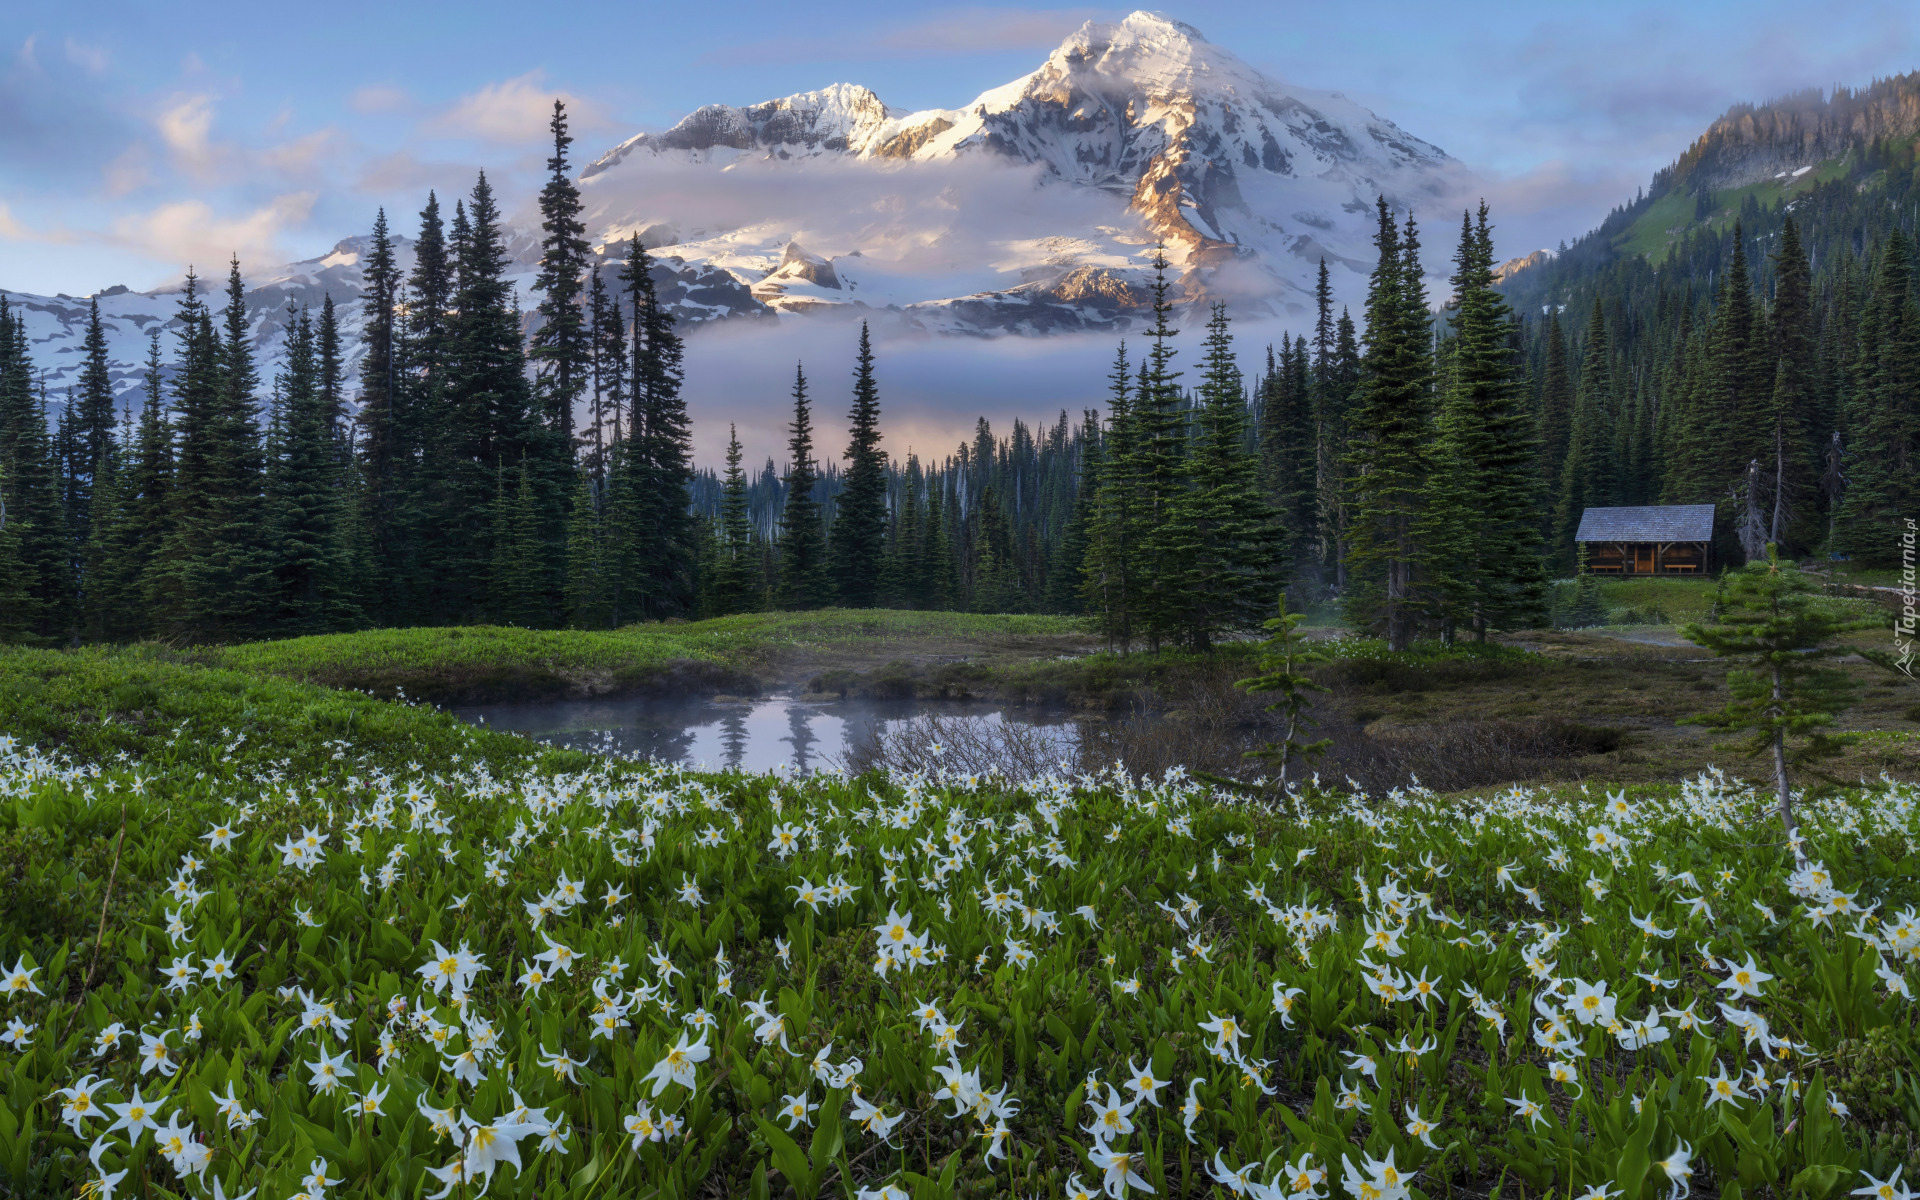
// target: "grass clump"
[[145, 704]]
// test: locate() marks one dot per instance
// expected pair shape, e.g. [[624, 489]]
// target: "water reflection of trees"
[[800, 736], [733, 736]]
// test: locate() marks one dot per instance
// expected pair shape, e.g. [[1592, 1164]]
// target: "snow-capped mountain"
[[1035, 208], [1129, 135]]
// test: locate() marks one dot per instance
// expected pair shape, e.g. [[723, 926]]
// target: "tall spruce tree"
[[303, 510], [212, 576], [1112, 580], [147, 498], [518, 567], [1389, 453], [95, 418], [734, 586], [804, 581], [1066, 577], [661, 555], [42, 563], [1157, 454], [1227, 556], [1556, 404], [860, 519], [561, 350], [489, 414], [1288, 447], [1589, 474], [1880, 421], [1486, 458], [383, 450], [1328, 397], [1793, 420], [589, 599]]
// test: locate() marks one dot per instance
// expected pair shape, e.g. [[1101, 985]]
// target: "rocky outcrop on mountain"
[[1514, 266], [1752, 142]]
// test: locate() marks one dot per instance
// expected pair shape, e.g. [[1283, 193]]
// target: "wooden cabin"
[[1665, 539]]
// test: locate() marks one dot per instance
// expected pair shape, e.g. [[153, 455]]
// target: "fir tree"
[[1793, 419], [1157, 452], [996, 584], [1112, 580], [212, 576], [1487, 458], [804, 582], [147, 498], [487, 418], [303, 495], [1066, 577], [1588, 475], [561, 351], [1880, 423], [1288, 450], [1389, 455], [1284, 657], [900, 568], [1556, 403], [95, 417], [383, 444], [588, 598], [1225, 557], [606, 335], [1336, 376], [17, 604], [43, 552], [1772, 619], [734, 585], [661, 539], [518, 568], [860, 520], [107, 601], [938, 552]]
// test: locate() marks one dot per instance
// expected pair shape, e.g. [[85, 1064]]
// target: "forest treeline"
[[1425, 466]]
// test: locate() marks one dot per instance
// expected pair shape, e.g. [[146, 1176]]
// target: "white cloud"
[[185, 126], [514, 111], [191, 231]]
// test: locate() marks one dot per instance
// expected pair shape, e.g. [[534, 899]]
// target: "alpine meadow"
[[519, 704]]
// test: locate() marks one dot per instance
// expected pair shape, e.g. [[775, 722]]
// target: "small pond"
[[801, 733]]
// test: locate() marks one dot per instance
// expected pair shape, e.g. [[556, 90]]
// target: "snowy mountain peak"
[[1146, 47], [835, 118], [1035, 208]]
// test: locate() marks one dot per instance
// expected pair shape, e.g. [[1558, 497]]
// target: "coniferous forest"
[[1423, 465]]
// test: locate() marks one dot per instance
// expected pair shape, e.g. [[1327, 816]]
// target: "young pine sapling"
[[1771, 619]]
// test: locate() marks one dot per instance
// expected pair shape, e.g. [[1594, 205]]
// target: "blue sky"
[[137, 137]]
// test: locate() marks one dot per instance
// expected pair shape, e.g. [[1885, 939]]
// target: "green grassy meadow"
[[474, 663], [338, 945]]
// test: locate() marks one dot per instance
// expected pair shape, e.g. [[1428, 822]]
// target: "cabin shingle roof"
[[1647, 523]]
